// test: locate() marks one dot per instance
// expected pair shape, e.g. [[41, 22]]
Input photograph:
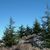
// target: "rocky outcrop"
[[24, 47]]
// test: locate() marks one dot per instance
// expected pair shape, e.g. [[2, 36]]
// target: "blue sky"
[[23, 12]]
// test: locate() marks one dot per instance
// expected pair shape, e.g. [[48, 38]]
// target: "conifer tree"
[[36, 28], [21, 31], [47, 37], [28, 31], [46, 24], [9, 36]]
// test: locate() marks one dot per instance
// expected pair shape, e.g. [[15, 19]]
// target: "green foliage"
[[21, 31], [9, 36], [28, 31], [36, 27], [48, 25], [46, 32], [47, 38]]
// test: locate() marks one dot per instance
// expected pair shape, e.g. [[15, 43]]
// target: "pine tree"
[[28, 31], [21, 31], [9, 36], [36, 28], [46, 26], [47, 38]]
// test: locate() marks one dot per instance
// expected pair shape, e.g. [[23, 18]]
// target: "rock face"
[[34, 39], [24, 47], [36, 48]]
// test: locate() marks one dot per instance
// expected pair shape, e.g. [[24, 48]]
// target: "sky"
[[23, 12]]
